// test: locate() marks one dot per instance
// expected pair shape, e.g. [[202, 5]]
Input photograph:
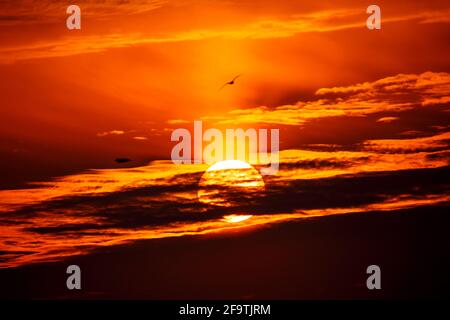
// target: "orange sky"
[[138, 65], [352, 106]]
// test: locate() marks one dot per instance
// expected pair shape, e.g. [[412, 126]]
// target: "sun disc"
[[229, 164], [230, 183]]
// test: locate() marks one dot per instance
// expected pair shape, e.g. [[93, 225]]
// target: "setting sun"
[[228, 182], [229, 164]]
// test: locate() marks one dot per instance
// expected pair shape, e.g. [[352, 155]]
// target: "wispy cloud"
[[140, 138], [48, 11], [256, 28], [110, 133], [392, 94], [434, 143], [387, 119], [177, 121]]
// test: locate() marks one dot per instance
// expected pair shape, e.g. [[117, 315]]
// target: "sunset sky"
[[364, 115]]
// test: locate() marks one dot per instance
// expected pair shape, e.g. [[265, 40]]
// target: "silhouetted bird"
[[122, 160], [230, 82]]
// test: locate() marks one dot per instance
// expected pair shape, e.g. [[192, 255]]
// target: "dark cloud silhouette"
[[154, 206], [324, 163]]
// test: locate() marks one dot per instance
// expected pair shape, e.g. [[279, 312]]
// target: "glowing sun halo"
[[229, 164]]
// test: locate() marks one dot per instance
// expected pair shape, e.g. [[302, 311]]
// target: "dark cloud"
[[127, 209]]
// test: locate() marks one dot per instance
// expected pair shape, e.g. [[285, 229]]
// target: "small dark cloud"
[[122, 160]]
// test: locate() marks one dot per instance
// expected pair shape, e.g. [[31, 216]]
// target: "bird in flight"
[[230, 82]]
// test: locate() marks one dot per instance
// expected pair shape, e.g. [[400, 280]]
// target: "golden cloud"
[[392, 94], [30, 11], [109, 133], [387, 119]]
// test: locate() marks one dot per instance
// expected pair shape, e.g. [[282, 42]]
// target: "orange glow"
[[73, 102], [228, 182]]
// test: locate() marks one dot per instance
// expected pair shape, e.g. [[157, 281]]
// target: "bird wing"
[[223, 86], [230, 82], [236, 77]]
